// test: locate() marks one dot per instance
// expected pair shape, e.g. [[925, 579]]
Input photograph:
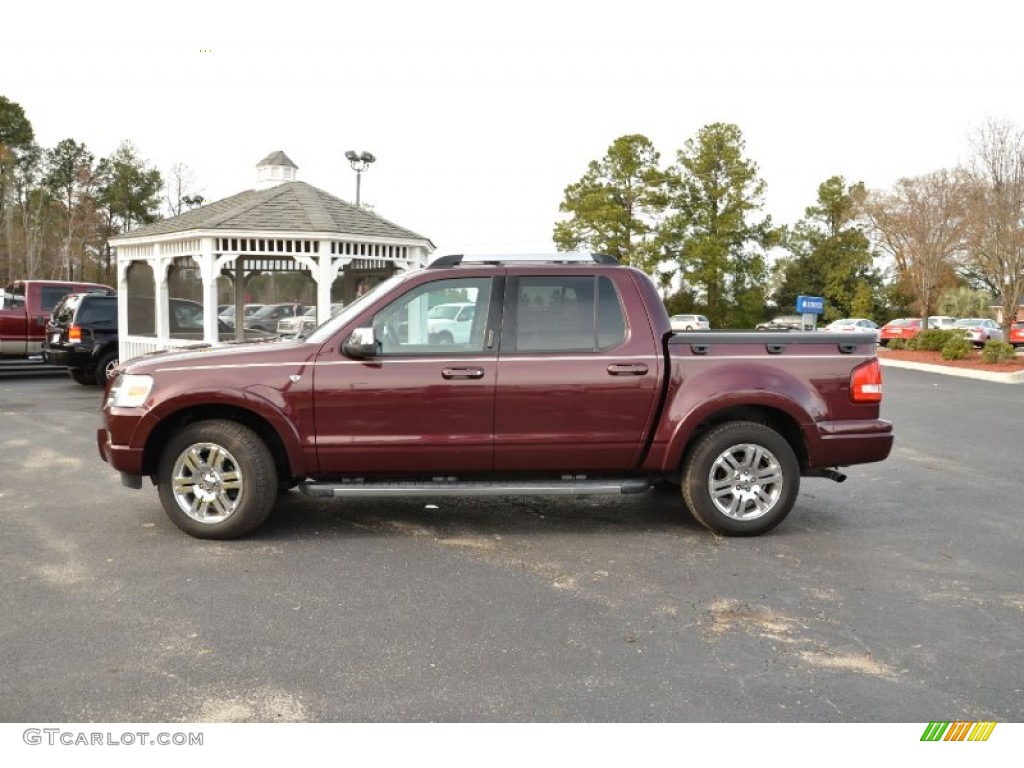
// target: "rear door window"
[[563, 313]]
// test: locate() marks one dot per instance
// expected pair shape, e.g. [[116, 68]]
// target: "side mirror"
[[360, 345]]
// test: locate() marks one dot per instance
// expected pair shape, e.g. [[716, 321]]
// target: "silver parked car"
[[979, 330], [854, 325], [227, 315], [782, 323], [301, 325]]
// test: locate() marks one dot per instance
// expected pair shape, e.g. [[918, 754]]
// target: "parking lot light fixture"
[[359, 161]]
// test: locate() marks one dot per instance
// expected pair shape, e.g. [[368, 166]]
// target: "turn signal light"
[[74, 333], [866, 383]]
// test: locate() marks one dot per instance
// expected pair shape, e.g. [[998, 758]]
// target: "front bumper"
[[123, 458]]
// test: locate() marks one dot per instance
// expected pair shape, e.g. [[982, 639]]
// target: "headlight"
[[129, 391]]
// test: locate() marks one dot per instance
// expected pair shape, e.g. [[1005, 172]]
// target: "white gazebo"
[[283, 225]]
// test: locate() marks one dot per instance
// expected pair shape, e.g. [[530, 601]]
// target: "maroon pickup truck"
[[564, 378], [25, 306]]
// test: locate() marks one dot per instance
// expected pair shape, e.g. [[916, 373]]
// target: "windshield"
[[329, 328], [967, 322]]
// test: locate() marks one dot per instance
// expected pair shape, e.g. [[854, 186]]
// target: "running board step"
[[450, 486]]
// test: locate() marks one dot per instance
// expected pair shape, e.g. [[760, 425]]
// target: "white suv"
[[690, 323], [450, 323]]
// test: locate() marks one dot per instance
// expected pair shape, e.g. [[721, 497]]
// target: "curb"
[[965, 373]]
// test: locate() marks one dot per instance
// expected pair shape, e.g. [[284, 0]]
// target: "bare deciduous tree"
[[996, 221], [922, 224], [179, 189]]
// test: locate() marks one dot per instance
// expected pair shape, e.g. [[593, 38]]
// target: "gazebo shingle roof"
[[277, 158], [293, 206]]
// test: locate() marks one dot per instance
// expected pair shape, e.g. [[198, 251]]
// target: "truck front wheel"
[[740, 479], [217, 480]]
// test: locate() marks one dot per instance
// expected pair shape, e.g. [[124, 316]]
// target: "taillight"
[[74, 333], [866, 383]]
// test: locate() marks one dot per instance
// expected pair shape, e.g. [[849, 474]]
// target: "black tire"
[[732, 457], [105, 366], [666, 485], [238, 490], [444, 337], [82, 376]]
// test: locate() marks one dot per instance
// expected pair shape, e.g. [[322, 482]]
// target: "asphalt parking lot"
[[895, 597]]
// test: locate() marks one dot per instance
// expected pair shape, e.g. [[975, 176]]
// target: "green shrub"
[[934, 339], [997, 352], [896, 344], [956, 348]]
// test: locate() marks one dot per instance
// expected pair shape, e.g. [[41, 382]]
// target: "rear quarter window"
[[51, 295], [97, 312]]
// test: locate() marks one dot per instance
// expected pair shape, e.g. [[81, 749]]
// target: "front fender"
[[256, 401]]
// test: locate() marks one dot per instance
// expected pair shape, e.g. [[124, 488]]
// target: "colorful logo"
[[958, 731]]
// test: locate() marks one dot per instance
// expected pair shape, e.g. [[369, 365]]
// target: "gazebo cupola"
[[276, 168]]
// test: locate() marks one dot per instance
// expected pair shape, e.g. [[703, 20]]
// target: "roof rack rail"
[[571, 257]]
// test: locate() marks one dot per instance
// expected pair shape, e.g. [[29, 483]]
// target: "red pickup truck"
[[25, 306], [566, 379]]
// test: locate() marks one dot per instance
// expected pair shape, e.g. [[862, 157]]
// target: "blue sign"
[[810, 305]]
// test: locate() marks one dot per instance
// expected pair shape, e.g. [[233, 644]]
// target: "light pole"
[[359, 162]]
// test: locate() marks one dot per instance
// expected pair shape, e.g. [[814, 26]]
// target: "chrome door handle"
[[462, 373], [627, 369]]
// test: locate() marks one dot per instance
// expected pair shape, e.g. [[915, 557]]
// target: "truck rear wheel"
[[741, 479], [217, 480], [82, 376], [105, 367]]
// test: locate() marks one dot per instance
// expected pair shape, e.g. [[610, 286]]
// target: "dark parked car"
[[83, 333], [266, 319]]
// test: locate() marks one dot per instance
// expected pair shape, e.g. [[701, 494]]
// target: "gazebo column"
[[324, 280], [239, 283], [325, 272], [161, 267], [122, 306], [208, 272]]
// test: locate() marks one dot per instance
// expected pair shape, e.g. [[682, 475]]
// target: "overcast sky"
[[480, 114]]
